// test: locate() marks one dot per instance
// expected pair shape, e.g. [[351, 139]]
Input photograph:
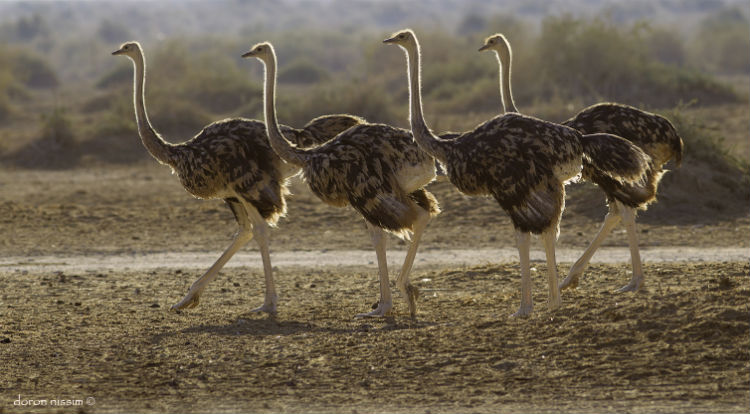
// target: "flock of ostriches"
[[381, 171]]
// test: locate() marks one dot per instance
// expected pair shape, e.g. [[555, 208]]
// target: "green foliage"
[[6, 110], [113, 32], [302, 70], [122, 74], [6, 77], [596, 60], [297, 106], [23, 69], [703, 145], [57, 129], [561, 65], [30, 28], [723, 42], [117, 116], [664, 45], [206, 78], [33, 71], [177, 119]]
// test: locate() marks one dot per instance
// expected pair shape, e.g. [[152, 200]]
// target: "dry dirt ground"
[[105, 336]]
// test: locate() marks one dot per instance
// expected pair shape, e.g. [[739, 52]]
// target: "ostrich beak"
[[483, 48], [117, 52], [390, 40], [248, 54]]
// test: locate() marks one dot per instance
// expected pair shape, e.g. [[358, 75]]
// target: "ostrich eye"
[[258, 49], [402, 36]]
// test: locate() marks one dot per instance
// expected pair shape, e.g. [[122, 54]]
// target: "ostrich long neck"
[[154, 143], [280, 145], [505, 94], [422, 134]]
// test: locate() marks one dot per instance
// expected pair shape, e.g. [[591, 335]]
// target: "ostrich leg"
[[193, 296], [524, 241], [385, 304], [549, 247], [628, 216], [261, 231], [610, 221], [407, 289]]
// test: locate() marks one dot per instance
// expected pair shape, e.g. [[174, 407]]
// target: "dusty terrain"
[[82, 330]]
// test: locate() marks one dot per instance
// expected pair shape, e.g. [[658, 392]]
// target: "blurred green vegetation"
[[722, 43], [561, 64], [707, 147]]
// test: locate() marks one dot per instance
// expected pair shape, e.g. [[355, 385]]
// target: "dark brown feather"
[[523, 162], [652, 133], [367, 166], [232, 158]]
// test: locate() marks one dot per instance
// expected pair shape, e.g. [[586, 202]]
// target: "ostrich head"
[[263, 51], [499, 44], [404, 38], [130, 49]]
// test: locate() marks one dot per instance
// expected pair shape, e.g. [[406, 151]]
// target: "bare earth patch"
[[91, 261], [681, 345]]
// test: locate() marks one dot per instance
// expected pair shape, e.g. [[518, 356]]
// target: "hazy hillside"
[[61, 90]]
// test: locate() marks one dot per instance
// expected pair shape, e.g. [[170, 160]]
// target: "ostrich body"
[[377, 169], [231, 160], [645, 143], [657, 137], [522, 162]]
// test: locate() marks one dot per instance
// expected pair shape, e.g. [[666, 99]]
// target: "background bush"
[[332, 60]]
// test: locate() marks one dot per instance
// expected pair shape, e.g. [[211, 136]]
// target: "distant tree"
[[598, 60], [113, 32], [34, 71], [472, 23], [29, 28], [665, 45], [301, 70], [723, 42]]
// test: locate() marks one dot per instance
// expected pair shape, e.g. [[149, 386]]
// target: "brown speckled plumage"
[[368, 167], [232, 160], [377, 169], [620, 168], [372, 167], [322, 129], [652, 133], [522, 162], [625, 150]]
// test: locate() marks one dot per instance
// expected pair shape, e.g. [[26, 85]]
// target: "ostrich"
[[521, 161], [377, 169], [231, 160], [658, 138], [653, 136]]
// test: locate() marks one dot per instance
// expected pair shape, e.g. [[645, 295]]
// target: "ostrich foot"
[[190, 301], [633, 286], [412, 293], [571, 281], [269, 308], [381, 311], [523, 311]]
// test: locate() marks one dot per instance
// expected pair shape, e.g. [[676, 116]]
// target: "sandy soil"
[[92, 259], [143, 209], [681, 345]]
